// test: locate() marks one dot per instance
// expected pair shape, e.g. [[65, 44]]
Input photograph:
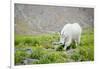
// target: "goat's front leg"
[[67, 43]]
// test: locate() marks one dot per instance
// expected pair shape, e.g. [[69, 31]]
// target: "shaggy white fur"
[[69, 33]]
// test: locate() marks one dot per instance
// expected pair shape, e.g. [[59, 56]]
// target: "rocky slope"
[[37, 19]]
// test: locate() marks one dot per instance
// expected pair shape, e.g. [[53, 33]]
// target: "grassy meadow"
[[45, 52]]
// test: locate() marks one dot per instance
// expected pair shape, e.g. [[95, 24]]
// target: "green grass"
[[20, 56], [45, 52]]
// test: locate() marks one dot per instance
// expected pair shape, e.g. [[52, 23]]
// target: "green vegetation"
[[44, 50]]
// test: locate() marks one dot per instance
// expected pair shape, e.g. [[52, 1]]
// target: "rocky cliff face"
[[38, 19]]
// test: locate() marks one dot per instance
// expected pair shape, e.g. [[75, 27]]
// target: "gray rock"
[[29, 51], [29, 61]]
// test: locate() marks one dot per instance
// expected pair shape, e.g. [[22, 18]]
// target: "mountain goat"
[[69, 33]]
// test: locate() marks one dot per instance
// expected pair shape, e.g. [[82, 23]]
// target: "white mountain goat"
[[70, 33]]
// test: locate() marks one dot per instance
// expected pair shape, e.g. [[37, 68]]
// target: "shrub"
[[53, 57], [85, 53], [20, 56], [38, 52]]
